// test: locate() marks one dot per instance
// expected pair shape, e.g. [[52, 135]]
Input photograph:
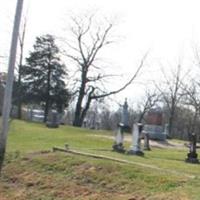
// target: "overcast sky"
[[169, 29]]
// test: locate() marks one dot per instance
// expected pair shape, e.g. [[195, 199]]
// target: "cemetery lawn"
[[33, 172]]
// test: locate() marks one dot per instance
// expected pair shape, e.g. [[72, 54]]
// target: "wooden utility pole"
[[9, 82]]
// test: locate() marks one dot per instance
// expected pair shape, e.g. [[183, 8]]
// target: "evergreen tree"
[[43, 76]]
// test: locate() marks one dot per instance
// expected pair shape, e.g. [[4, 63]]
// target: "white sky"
[[169, 28]]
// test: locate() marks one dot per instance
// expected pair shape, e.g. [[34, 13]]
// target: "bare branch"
[[93, 55], [127, 84]]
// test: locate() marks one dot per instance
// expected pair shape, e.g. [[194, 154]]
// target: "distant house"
[[36, 115]]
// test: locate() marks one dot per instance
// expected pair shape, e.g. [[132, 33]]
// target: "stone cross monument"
[[124, 118], [122, 127]]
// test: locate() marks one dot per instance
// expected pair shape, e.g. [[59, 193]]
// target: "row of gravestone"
[[153, 122], [153, 130], [138, 133]]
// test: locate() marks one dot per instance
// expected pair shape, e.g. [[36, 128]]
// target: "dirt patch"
[[34, 183]]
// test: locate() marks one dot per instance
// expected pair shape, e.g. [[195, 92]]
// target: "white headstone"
[[119, 136], [135, 138], [135, 148]]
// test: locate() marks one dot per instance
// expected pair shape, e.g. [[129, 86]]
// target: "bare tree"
[[150, 99], [192, 99], [172, 92], [90, 38]]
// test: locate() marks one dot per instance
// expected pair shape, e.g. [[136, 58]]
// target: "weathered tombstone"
[[192, 156], [146, 141], [119, 140], [154, 125], [136, 140], [122, 127], [53, 119]]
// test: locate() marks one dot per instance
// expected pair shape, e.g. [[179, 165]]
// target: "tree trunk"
[[171, 119], [141, 116], [78, 120], [46, 110], [47, 94], [194, 122]]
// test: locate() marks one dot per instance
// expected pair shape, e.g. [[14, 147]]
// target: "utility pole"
[[9, 82], [19, 89]]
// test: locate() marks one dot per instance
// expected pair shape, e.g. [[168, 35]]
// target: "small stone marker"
[[119, 139], [53, 119], [192, 155], [136, 140], [146, 141]]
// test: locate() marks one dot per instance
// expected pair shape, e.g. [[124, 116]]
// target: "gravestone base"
[[192, 158], [147, 148], [137, 153], [126, 129], [52, 125], [119, 148]]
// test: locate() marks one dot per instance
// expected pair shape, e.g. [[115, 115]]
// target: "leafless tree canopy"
[[150, 100], [172, 92], [90, 38]]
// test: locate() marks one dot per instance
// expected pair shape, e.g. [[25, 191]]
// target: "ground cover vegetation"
[[33, 171]]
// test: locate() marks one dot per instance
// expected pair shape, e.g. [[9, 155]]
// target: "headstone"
[[119, 140], [136, 140], [154, 125], [122, 127], [53, 119], [146, 141], [124, 117], [192, 156]]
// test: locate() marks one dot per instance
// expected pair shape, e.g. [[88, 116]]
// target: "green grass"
[[39, 174], [28, 137]]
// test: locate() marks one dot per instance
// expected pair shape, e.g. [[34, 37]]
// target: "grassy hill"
[[33, 172]]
